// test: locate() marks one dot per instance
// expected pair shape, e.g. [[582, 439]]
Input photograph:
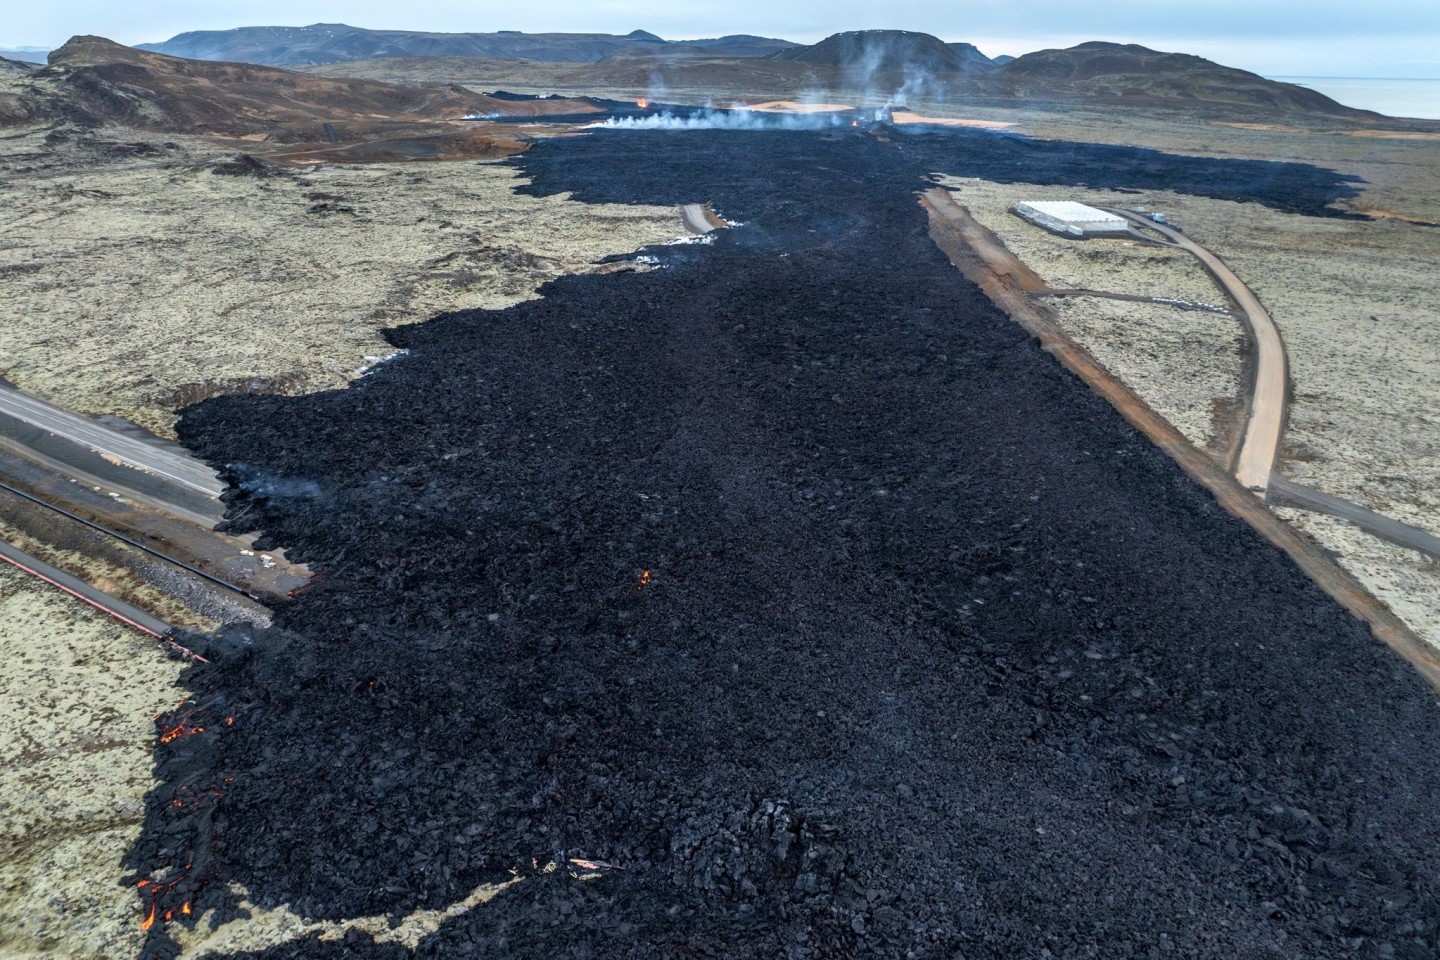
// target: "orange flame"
[[644, 579], [185, 908], [149, 921], [643, 104]]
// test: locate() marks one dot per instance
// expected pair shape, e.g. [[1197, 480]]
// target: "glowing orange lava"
[[149, 921], [643, 104], [644, 579], [183, 730]]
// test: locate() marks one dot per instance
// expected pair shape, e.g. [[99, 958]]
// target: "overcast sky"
[[1375, 38]]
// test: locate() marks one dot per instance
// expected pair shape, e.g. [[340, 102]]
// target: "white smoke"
[[917, 85], [865, 83], [658, 93], [865, 79], [735, 119]]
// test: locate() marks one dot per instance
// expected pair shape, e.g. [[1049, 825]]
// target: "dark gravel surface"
[[796, 583]]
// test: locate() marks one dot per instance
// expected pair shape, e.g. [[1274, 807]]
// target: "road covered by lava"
[[796, 595]]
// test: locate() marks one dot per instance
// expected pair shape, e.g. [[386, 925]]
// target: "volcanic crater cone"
[[882, 51]]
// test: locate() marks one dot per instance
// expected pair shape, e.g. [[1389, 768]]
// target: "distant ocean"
[[1395, 98]]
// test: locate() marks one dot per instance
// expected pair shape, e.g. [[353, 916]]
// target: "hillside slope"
[[324, 43], [882, 51], [93, 81], [16, 68], [971, 56], [1130, 73]]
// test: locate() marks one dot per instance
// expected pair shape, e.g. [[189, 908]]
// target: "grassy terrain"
[[135, 288]]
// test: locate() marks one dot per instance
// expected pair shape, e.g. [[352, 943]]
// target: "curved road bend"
[[698, 218], [1269, 396], [167, 464]]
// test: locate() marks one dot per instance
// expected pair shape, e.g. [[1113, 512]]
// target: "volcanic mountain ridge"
[[93, 81], [322, 43], [880, 51]]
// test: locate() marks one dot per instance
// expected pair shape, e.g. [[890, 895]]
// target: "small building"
[[1071, 218]]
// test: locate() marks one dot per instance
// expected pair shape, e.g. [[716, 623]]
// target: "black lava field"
[[794, 590]]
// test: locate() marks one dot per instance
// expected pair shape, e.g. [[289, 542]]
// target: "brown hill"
[[1132, 74], [692, 78], [881, 51], [94, 81]]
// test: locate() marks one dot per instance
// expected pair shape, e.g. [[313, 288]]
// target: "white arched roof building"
[[1069, 217]]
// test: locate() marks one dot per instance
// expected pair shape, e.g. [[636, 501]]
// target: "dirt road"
[[1270, 393], [699, 218], [987, 262]]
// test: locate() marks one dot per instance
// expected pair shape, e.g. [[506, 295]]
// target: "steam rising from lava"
[[862, 80], [735, 119]]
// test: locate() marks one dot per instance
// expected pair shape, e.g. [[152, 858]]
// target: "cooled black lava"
[[796, 583]]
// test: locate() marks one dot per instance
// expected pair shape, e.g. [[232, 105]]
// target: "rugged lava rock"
[[796, 583]]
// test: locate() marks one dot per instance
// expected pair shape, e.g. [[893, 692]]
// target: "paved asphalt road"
[[170, 465], [1265, 423], [1285, 492]]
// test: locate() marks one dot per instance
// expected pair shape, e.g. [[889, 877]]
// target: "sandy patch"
[[1271, 127], [905, 116], [1393, 134], [794, 106], [1392, 215]]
